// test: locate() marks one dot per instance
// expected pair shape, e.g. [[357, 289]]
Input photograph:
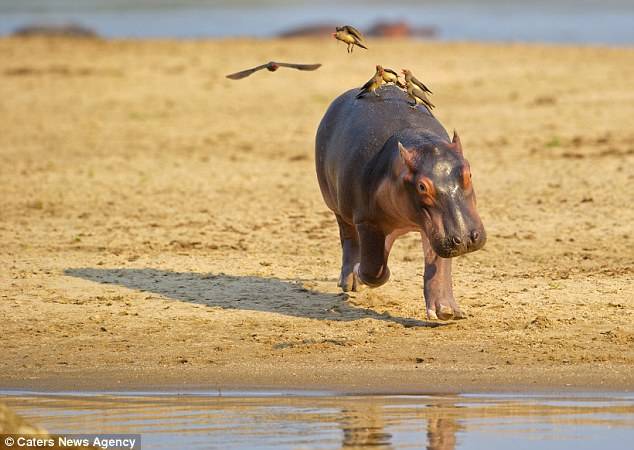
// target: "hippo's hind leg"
[[372, 269], [439, 300], [350, 257]]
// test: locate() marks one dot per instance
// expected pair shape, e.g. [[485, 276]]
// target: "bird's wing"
[[353, 31], [300, 66], [429, 106], [419, 93], [424, 99], [245, 73], [359, 43], [420, 84], [391, 71], [367, 85]]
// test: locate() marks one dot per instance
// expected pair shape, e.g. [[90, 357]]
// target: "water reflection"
[[367, 425], [202, 420], [364, 428], [441, 433]]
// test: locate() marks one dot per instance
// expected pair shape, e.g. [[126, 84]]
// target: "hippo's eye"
[[422, 188]]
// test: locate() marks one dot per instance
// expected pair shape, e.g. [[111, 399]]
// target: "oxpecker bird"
[[410, 77], [272, 66], [390, 76], [373, 83], [417, 91], [350, 36]]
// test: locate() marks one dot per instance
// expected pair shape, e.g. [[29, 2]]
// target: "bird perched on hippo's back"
[[390, 76], [417, 91], [350, 36], [373, 83]]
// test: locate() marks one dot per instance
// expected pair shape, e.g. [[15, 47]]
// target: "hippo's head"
[[437, 179]]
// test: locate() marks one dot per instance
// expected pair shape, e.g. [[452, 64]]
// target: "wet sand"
[[162, 225]]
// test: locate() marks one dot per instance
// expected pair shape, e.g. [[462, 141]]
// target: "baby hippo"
[[386, 169]]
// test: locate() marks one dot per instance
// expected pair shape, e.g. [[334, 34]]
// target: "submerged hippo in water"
[[386, 169]]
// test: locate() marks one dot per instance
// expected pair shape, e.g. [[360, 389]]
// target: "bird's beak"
[[334, 34]]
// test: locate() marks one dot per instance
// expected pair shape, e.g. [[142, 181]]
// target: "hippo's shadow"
[[249, 293]]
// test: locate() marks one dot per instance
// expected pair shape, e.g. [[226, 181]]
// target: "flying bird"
[[390, 76], [350, 36], [373, 83], [272, 66]]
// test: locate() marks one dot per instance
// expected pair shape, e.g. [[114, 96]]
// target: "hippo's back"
[[353, 131]]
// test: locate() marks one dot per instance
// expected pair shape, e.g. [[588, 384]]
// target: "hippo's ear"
[[455, 142], [407, 156]]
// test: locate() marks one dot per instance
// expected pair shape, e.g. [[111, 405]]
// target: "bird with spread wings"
[[272, 66]]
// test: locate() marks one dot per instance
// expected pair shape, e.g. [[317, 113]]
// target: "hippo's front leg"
[[350, 255], [372, 269], [437, 288]]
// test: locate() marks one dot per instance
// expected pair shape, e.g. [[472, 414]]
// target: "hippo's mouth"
[[448, 246], [446, 249]]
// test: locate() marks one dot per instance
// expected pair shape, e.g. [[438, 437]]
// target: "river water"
[[245, 420], [561, 21]]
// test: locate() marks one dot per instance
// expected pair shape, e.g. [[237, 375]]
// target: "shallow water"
[[243, 420], [570, 21]]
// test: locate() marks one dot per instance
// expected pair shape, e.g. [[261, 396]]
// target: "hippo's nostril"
[[475, 235], [456, 240]]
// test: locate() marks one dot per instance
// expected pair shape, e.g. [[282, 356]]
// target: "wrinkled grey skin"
[[386, 169]]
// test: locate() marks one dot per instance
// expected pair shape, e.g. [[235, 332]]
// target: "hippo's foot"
[[444, 309], [371, 281], [348, 281]]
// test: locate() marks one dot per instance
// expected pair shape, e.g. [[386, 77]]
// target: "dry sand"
[[161, 225]]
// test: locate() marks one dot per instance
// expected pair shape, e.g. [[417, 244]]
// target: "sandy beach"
[[161, 225]]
